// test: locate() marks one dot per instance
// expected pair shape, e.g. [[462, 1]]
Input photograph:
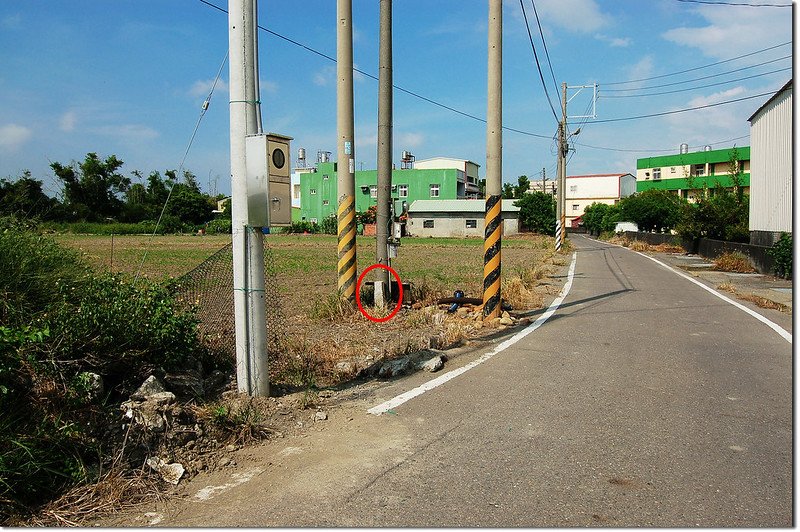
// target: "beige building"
[[583, 190]]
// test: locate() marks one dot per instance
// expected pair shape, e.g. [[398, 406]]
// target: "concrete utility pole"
[[346, 183], [562, 171], [248, 203], [383, 221], [494, 165]]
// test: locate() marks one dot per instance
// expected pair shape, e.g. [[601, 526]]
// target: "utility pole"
[[346, 210], [248, 201], [494, 165], [544, 180], [562, 171], [383, 221]]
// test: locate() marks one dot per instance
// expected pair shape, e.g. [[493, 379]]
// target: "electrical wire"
[[703, 77], [650, 150], [538, 65], [732, 3], [676, 111], [699, 87], [544, 44], [701, 67], [203, 110]]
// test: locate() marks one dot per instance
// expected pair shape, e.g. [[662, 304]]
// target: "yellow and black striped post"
[[491, 257], [346, 215]]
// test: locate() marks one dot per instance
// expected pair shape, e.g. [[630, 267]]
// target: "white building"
[[771, 171], [457, 218], [583, 190], [467, 186]]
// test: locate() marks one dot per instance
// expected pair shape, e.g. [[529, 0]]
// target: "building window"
[[575, 206], [402, 191], [325, 203], [373, 191], [672, 170], [573, 188], [427, 224], [296, 191], [312, 191], [656, 173], [325, 177], [434, 190], [472, 224], [313, 220], [699, 169]]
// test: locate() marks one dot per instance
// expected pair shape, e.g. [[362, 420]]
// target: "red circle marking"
[[399, 295]]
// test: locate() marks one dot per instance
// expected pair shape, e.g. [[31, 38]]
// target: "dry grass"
[[733, 261], [759, 301], [115, 491], [515, 292]]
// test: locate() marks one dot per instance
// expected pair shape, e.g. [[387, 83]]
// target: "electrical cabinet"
[[280, 180]]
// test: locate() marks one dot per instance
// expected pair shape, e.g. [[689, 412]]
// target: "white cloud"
[[201, 88], [13, 136], [410, 140], [324, 76], [270, 87], [67, 121], [734, 30], [615, 42], [580, 16]]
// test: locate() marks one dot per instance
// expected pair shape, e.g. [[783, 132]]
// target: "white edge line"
[[774, 326], [441, 379]]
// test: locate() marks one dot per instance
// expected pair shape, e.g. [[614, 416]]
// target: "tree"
[[91, 188], [523, 185], [508, 191], [652, 210], [24, 197], [600, 217], [537, 212]]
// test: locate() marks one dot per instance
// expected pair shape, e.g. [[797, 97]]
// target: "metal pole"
[[346, 210], [494, 165], [248, 247], [382, 284]]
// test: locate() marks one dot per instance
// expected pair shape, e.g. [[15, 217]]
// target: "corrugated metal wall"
[[771, 166]]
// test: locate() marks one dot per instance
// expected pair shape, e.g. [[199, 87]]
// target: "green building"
[[688, 174], [318, 187]]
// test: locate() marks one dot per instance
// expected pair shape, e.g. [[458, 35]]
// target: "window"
[[699, 169], [427, 224], [312, 191], [575, 206], [325, 177], [402, 191], [325, 203], [672, 170], [472, 224], [373, 191], [573, 188], [656, 173], [434, 191], [313, 220]]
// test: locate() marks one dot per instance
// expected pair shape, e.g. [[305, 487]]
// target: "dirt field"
[[336, 345]]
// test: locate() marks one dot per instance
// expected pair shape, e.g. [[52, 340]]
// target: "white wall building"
[[457, 218], [467, 184], [583, 190], [771, 171]]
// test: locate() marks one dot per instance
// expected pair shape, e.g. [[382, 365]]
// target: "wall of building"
[[678, 172], [319, 189], [771, 172], [455, 225], [582, 191]]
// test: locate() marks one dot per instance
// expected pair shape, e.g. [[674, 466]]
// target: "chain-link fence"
[[209, 287]]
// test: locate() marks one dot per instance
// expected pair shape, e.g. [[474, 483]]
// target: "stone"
[[149, 387], [320, 416], [230, 448], [224, 461], [505, 314], [171, 473], [434, 364], [394, 368], [506, 321], [462, 312]]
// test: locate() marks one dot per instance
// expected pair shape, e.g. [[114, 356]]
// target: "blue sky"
[[129, 77]]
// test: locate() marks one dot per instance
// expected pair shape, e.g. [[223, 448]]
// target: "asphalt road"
[[643, 401]]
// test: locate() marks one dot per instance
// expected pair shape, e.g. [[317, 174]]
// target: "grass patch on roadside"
[[733, 261]]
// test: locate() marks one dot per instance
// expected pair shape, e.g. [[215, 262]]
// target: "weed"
[[516, 294], [727, 287], [782, 254], [334, 307], [241, 418], [733, 261]]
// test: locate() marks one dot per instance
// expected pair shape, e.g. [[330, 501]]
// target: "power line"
[[536, 57], [695, 68], [544, 44], [703, 77], [695, 88], [683, 110], [648, 150], [732, 3]]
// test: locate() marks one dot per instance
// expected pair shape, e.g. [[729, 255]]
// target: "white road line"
[[430, 385], [774, 326]]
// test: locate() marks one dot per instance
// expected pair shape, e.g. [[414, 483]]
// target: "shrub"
[[329, 225], [599, 218], [219, 226], [782, 253], [652, 210], [723, 215]]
